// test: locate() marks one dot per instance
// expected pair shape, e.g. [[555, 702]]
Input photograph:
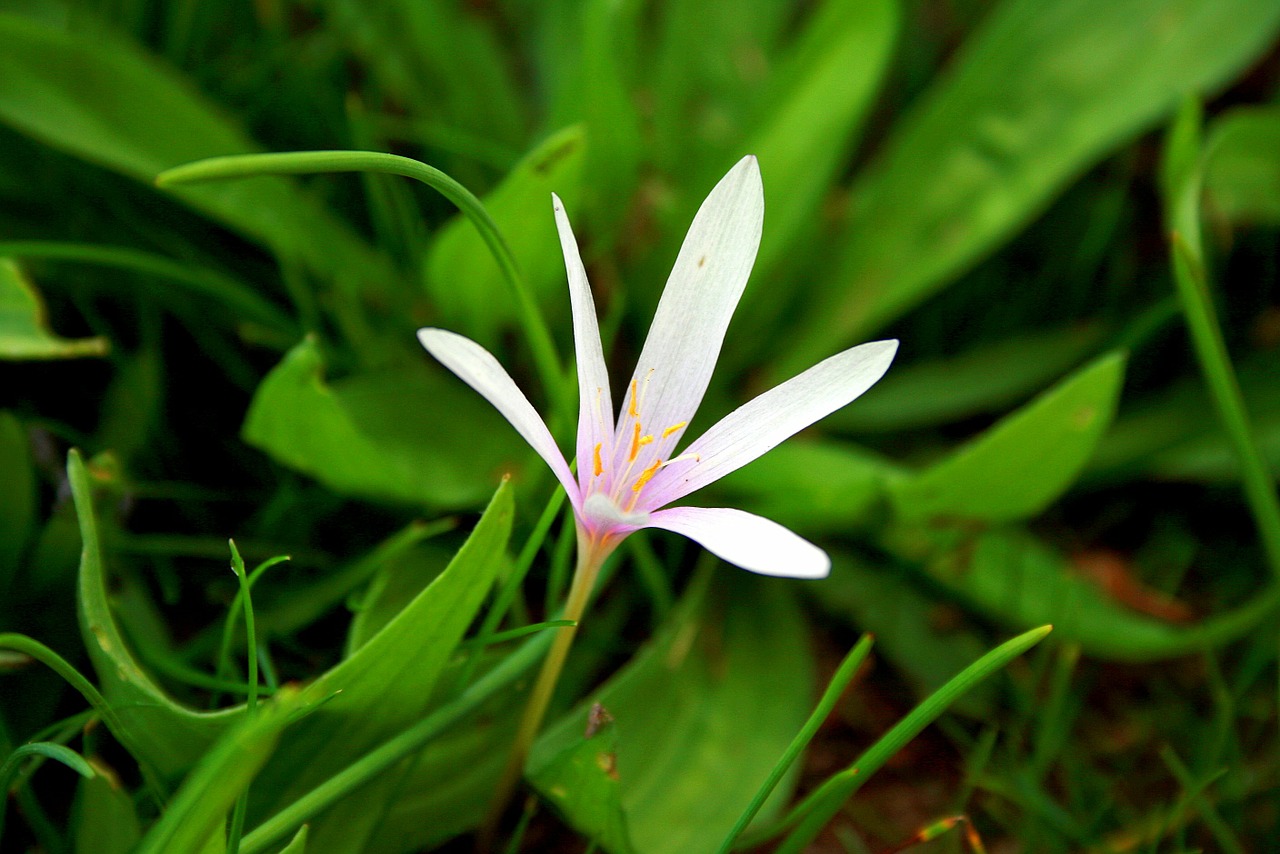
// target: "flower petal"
[[752, 542], [761, 424], [706, 282], [595, 403], [477, 367]]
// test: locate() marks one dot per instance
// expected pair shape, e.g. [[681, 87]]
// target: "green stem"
[[844, 674], [308, 162], [376, 762], [821, 806], [590, 558], [251, 644], [1206, 335]]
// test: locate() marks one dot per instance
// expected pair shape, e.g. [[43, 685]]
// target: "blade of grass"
[[49, 750], [237, 605], [307, 162], [1183, 180], [200, 280], [378, 760], [1193, 795], [844, 673], [251, 644], [821, 806], [511, 585], [56, 663]]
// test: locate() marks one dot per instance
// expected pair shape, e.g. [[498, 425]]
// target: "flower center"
[[622, 477]]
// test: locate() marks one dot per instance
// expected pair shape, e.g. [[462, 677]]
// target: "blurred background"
[[996, 184]]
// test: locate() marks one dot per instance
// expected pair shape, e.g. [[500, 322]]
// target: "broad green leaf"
[[703, 712], [461, 274], [708, 70], [105, 819], [443, 61], [603, 97], [582, 782], [1176, 436], [1010, 575], [982, 380], [1242, 166], [1042, 90], [410, 435], [17, 500], [812, 486], [824, 86], [298, 845], [396, 584], [383, 687], [24, 329], [448, 787], [97, 96], [1019, 466], [157, 731], [193, 820]]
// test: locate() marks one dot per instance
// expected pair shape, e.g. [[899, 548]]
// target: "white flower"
[[630, 468]]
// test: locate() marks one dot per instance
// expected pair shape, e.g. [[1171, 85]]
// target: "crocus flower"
[[632, 466]]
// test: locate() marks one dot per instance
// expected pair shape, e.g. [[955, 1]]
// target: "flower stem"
[[591, 557]]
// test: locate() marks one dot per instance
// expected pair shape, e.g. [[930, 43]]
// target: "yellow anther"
[[599, 466], [673, 428], [636, 442], [631, 408], [646, 475]]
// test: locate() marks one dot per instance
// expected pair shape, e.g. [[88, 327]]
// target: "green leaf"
[[1242, 169], [1010, 575], [105, 819], [384, 687], [157, 731], [18, 499], [24, 329], [812, 486], [1042, 90], [99, 97], [396, 584], [298, 845], [824, 86], [986, 379], [408, 435], [461, 274], [703, 712], [193, 819], [1019, 466], [582, 782]]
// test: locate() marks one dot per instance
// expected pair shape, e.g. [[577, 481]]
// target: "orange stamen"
[[646, 475], [635, 442], [631, 408], [673, 428], [599, 466]]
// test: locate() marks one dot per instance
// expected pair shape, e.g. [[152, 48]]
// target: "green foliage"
[[24, 332], [363, 435], [980, 181], [1021, 465], [685, 768]]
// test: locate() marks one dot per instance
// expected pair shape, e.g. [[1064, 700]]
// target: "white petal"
[[746, 540], [761, 424], [703, 290], [477, 367], [595, 404]]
